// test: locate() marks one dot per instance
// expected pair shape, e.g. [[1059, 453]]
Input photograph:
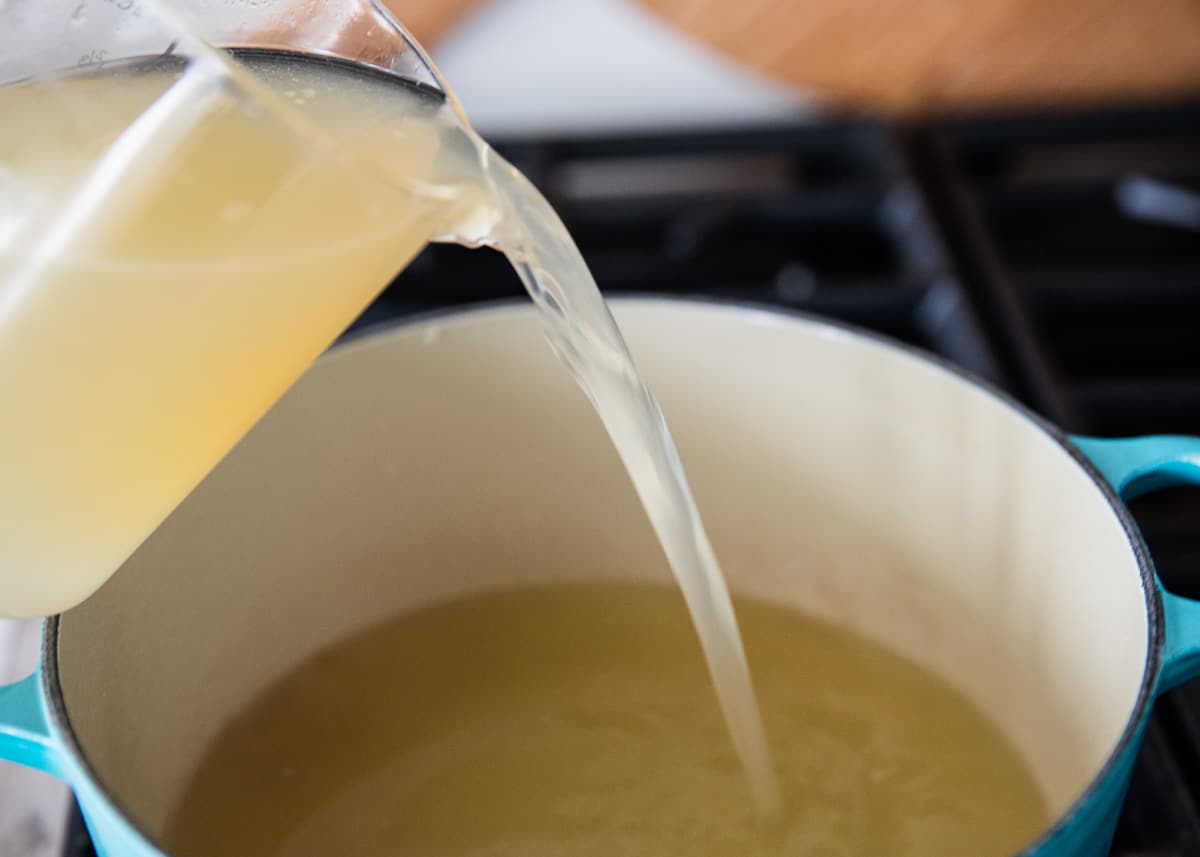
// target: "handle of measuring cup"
[[1139, 465], [24, 730]]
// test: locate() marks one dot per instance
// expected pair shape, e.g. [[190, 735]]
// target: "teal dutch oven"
[[840, 474]]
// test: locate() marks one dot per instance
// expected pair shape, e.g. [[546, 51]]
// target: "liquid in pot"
[[579, 720]]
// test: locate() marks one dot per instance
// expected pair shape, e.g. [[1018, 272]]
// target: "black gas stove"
[[1055, 255]]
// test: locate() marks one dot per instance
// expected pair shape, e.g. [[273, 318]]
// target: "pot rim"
[[60, 721]]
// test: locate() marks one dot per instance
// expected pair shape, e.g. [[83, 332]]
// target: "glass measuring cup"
[[196, 198]]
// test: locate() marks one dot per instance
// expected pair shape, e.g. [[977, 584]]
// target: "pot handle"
[[1136, 466], [24, 732]]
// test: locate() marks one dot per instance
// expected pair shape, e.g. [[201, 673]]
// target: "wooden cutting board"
[[919, 54], [429, 19], [910, 55]]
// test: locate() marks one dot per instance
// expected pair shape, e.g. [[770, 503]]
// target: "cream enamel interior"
[[834, 473]]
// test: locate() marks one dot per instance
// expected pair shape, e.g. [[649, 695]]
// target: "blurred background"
[[599, 62]]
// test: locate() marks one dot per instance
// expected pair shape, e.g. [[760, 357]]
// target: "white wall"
[[579, 65]]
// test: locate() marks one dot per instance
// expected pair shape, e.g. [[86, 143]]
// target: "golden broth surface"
[[579, 720]]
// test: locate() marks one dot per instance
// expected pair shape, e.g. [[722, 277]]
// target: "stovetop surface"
[[1057, 256]]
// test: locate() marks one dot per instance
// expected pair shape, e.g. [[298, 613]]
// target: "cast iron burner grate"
[[1058, 257]]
